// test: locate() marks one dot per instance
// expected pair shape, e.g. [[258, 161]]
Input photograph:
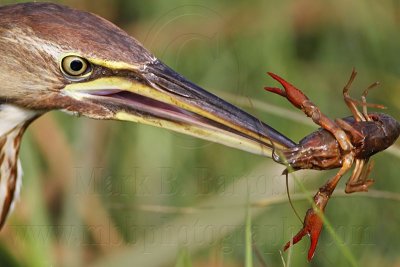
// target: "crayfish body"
[[321, 151]]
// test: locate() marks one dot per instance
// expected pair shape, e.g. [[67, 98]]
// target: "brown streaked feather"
[[10, 169]]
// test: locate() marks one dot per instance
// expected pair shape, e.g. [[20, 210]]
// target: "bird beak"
[[156, 95]]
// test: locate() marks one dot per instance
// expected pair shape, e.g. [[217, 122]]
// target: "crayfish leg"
[[357, 136], [301, 101], [313, 222], [359, 182], [352, 103]]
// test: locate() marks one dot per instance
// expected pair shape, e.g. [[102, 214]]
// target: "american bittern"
[[54, 57]]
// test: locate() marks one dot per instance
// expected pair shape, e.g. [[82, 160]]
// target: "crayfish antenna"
[[286, 173]]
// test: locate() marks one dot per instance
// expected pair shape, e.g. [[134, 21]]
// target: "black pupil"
[[76, 65]]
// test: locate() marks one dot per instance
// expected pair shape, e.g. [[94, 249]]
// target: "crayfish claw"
[[312, 227], [276, 90], [294, 95]]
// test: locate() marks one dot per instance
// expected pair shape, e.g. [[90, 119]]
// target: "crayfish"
[[339, 143]]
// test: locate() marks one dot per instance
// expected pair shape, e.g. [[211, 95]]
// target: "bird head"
[[55, 57]]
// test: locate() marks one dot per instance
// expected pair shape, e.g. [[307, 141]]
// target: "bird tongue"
[[135, 99], [104, 92]]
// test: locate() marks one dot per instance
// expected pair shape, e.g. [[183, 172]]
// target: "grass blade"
[[248, 235], [184, 259]]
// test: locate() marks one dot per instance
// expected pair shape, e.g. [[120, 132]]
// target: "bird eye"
[[75, 66]]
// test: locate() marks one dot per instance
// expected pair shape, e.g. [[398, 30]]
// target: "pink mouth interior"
[[156, 108]]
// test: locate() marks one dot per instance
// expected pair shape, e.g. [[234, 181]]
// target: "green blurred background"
[[102, 193]]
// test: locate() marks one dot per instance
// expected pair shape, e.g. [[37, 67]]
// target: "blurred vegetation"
[[102, 193]]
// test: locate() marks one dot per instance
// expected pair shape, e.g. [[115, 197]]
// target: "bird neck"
[[13, 122], [13, 117]]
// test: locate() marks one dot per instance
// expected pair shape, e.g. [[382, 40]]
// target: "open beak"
[[158, 96]]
